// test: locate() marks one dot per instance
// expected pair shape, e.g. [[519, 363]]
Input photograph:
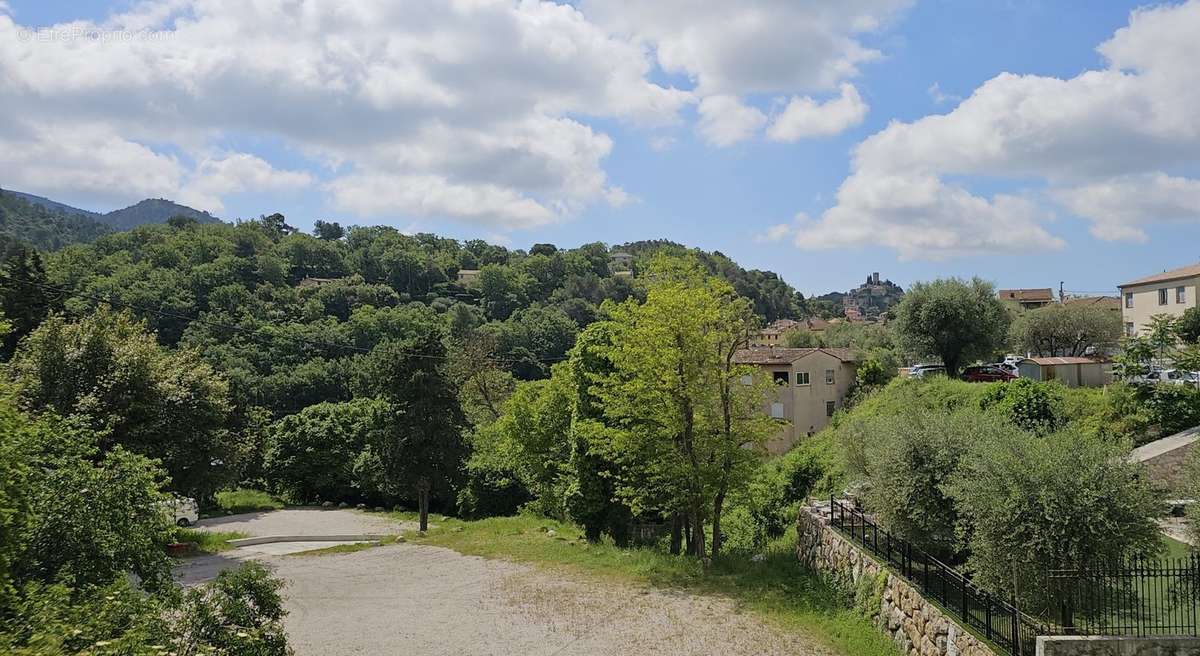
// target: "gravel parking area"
[[417, 599], [306, 521], [429, 600]]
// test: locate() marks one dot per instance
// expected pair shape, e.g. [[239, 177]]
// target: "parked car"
[[1167, 376], [985, 373], [182, 511], [1010, 367], [923, 370]]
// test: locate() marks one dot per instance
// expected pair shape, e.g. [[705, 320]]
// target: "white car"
[[182, 511], [923, 370]]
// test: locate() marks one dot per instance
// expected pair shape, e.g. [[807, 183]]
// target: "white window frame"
[[830, 376], [1180, 295], [777, 410], [1128, 300], [802, 378], [1162, 296]]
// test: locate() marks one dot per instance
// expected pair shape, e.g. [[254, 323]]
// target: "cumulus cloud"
[[214, 177], [469, 98], [724, 120], [1111, 129], [805, 117], [1118, 207], [732, 50]]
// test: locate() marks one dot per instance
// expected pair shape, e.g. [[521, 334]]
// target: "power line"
[[251, 333]]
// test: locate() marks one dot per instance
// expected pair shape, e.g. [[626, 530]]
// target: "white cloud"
[[910, 188], [805, 117], [940, 97], [233, 173], [738, 49], [1118, 207], [463, 106], [724, 120]]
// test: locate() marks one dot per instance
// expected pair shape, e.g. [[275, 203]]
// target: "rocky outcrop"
[[897, 608]]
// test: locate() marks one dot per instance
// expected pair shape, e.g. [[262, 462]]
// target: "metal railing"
[[1139, 598], [997, 620]]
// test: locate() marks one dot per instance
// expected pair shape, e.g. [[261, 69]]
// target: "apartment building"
[[1170, 292], [812, 383]]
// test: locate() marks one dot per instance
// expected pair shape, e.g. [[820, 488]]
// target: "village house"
[[1170, 292], [812, 383], [775, 334], [1028, 299], [468, 276]]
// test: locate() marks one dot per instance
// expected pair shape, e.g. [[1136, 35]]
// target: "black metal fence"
[[1140, 598], [996, 620]]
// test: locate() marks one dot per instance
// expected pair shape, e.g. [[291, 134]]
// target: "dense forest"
[[285, 320], [50, 225], [46, 228]]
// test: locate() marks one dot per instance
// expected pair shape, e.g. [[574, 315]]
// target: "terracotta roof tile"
[[1173, 274]]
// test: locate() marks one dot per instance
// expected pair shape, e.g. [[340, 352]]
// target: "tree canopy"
[[955, 320]]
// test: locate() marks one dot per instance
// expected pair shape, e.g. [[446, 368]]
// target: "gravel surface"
[[306, 521], [418, 599]]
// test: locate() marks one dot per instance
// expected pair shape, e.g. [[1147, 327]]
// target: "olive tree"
[[952, 319], [1068, 330], [1029, 505]]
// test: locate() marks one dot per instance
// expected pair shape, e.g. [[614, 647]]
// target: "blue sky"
[[980, 193]]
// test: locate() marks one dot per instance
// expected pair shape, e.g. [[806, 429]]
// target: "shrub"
[[246, 500], [1192, 484], [905, 462], [1173, 407], [1028, 505], [1031, 405]]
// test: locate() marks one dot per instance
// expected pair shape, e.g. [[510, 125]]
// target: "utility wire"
[[251, 333]]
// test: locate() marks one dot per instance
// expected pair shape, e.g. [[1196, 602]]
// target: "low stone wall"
[[1166, 460], [1109, 646], [919, 627]]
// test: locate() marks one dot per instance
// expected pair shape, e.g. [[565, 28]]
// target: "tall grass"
[[246, 500]]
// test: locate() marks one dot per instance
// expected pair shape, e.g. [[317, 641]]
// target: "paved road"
[[306, 521]]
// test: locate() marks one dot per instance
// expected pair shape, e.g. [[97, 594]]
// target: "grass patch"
[[349, 548], [244, 500], [1176, 548], [779, 589], [207, 542]]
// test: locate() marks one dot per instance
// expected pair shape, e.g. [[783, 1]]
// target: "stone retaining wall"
[[919, 627]]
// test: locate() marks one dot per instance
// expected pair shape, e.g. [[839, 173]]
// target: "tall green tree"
[[1068, 330], [690, 430], [108, 371], [25, 297], [952, 319], [422, 449]]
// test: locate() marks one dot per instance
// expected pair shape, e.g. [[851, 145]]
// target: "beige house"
[[1170, 292], [776, 333], [812, 385], [468, 276]]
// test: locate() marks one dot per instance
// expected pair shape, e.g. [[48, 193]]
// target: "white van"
[[182, 511]]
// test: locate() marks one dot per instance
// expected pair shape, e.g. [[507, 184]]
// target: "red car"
[[985, 374]]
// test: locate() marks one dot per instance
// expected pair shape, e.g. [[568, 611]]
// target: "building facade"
[[1170, 292], [811, 385], [1029, 299]]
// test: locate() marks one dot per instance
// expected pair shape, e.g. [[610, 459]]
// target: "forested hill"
[[284, 314], [153, 210], [48, 227]]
